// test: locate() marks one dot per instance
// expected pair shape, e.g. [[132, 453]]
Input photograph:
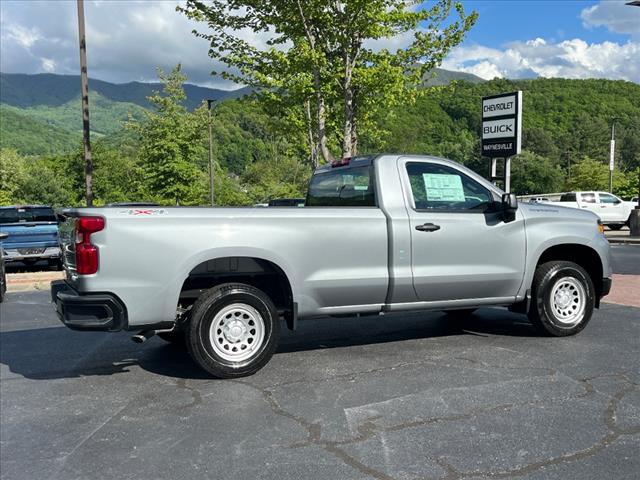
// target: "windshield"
[[27, 214]]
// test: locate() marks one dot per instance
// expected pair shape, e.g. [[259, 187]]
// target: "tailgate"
[[67, 240], [30, 235]]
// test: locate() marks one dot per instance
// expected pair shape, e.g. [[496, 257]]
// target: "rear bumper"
[[94, 311], [19, 254]]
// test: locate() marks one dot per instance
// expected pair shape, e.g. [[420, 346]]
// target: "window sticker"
[[443, 188]]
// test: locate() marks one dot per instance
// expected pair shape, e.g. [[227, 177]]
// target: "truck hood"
[[553, 211]]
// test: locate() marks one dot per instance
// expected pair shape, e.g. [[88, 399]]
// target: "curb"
[[21, 282]]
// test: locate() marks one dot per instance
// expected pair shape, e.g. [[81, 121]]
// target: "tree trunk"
[[313, 146], [322, 129], [317, 83], [347, 139]]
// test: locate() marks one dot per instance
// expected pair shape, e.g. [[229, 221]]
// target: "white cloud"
[[48, 65], [615, 15], [25, 37], [125, 40], [568, 59]]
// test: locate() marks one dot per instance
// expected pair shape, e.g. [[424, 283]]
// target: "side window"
[[342, 187], [438, 187], [568, 197], [588, 197], [608, 199]]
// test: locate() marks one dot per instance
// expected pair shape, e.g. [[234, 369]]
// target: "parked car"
[[3, 277], [33, 234], [286, 202], [378, 234], [613, 212]]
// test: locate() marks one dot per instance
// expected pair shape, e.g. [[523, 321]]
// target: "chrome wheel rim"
[[237, 332], [568, 301]]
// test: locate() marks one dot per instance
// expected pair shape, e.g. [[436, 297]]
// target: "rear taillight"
[[86, 253]]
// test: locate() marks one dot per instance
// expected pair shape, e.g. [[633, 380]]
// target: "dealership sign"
[[502, 125]]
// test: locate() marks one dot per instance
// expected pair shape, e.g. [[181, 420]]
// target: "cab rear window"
[[27, 214], [342, 187]]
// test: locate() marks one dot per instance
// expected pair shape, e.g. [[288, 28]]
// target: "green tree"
[[12, 175], [532, 173], [590, 174], [321, 63], [172, 144]]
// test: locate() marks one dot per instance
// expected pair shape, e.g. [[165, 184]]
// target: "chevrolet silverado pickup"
[[377, 234], [32, 234]]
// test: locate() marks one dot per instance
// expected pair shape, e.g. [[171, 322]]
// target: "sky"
[[127, 40]]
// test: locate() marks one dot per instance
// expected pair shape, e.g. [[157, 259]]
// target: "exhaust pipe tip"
[[143, 336]]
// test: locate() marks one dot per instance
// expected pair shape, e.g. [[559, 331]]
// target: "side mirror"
[[509, 206], [509, 202]]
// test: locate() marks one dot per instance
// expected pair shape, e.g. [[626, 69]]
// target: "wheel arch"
[[257, 268], [583, 255]]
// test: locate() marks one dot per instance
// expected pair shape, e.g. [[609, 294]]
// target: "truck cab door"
[[461, 246], [589, 201], [612, 209]]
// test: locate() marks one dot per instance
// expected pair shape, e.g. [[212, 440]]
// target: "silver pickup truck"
[[378, 234]]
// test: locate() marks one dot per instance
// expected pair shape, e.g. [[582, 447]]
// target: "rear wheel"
[[55, 263], [563, 298], [233, 331]]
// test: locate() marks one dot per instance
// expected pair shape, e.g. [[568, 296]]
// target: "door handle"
[[428, 227]]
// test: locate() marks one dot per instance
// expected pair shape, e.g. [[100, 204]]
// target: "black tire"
[[460, 314], [562, 316], [615, 227], [177, 338], [248, 302], [56, 263]]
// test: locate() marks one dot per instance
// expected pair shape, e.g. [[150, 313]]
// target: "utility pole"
[[211, 187], [86, 140], [612, 153]]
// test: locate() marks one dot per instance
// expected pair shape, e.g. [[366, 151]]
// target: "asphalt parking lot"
[[405, 396]]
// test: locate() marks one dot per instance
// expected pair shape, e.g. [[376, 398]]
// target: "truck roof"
[[367, 160]]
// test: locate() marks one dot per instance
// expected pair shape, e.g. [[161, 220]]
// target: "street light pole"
[[612, 154], [84, 85], [211, 186]]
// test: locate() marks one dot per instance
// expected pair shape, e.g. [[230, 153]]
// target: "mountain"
[[40, 114], [33, 137], [445, 77], [23, 90]]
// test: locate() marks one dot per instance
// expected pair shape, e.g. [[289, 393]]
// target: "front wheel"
[[233, 331], [563, 298]]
